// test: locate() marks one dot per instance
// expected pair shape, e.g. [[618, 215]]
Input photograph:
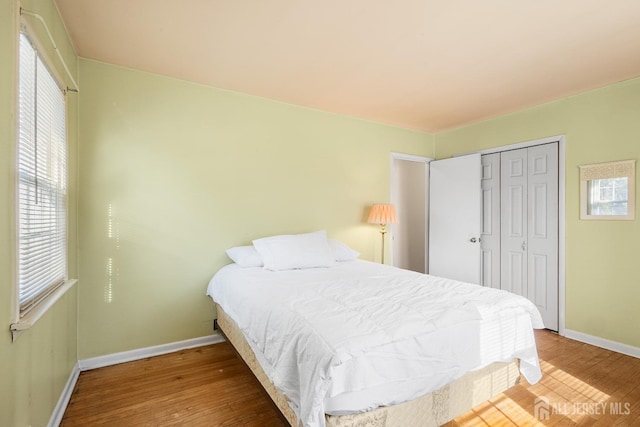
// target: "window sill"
[[29, 319]]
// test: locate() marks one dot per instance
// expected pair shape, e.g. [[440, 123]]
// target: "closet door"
[[529, 230]]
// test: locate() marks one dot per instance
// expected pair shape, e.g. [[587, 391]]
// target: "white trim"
[[65, 397], [525, 144], [14, 215], [603, 343], [29, 319], [39, 18], [410, 157], [562, 236], [25, 27], [142, 353]]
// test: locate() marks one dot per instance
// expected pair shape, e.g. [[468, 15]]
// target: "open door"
[[455, 213]]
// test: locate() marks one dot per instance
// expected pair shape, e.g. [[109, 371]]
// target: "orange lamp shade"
[[383, 214]]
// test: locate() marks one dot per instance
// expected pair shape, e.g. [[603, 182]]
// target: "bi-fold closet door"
[[520, 225]]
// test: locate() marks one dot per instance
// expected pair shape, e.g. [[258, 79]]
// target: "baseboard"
[[141, 353], [115, 358], [603, 343], [65, 396]]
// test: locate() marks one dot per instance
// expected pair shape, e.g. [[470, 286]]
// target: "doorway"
[[410, 196]]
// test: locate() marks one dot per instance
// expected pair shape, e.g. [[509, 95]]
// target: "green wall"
[[174, 173], [36, 367], [602, 274]]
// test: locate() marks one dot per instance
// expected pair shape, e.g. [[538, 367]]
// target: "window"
[[42, 180], [608, 196], [607, 190]]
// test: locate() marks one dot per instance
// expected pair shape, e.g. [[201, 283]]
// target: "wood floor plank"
[[211, 386], [491, 415]]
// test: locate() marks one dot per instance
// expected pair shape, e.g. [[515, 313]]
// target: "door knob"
[[473, 240]]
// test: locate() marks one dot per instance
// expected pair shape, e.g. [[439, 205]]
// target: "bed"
[[359, 343]]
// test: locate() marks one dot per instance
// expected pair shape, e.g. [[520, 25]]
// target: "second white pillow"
[[295, 251]]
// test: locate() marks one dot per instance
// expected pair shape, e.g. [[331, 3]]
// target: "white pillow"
[[342, 252], [288, 252], [245, 256]]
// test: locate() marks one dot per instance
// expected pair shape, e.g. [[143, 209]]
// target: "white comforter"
[[360, 335]]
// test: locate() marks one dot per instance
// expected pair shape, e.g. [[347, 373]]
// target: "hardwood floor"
[[211, 386], [584, 385], [205, 386]]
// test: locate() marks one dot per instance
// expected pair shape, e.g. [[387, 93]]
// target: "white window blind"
[[42, 180]]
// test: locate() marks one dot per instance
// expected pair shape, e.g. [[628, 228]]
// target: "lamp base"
[[383, 231]]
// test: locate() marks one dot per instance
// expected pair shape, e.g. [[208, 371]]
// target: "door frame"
[[560, 139], [393, 197]]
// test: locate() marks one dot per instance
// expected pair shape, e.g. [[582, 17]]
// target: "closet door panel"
[[542, 238], [513, 198], [490, 236]]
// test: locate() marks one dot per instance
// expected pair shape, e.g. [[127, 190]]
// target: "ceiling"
[[420, 64]]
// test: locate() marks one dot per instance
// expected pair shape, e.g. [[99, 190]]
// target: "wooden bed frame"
[[432, 409]]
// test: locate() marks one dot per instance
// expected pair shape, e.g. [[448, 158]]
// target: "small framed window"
[[607, 190]]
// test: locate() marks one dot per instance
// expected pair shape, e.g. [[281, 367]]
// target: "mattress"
[[359, 336], [432, 409]]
